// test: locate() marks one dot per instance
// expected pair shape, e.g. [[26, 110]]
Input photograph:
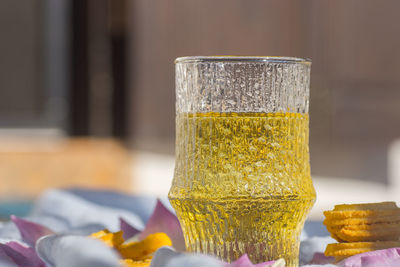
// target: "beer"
[[242, 183]]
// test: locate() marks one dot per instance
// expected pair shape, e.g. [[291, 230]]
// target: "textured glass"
[[242, 179]]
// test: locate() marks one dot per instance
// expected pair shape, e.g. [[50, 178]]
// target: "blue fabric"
[[18, 208]]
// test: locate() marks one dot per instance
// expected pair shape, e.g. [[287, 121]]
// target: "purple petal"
[[22, 256], [384, 257], [127, 229], [244, 261], [4, 259], [376, 261], [320, 258], [30, 231], [162, 220], [28, 252]]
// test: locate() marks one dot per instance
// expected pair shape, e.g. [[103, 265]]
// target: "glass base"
[[264, 229], [257, 252]]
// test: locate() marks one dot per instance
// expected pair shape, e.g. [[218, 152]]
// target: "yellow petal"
[[100, 233], [132, 263], [110, 239], [139, 250]]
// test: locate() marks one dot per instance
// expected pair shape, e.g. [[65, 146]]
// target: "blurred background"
[[87, 89]]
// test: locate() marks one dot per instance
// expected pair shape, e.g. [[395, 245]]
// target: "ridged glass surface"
[[242, 178]]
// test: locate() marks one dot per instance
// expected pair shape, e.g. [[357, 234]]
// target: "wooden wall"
[[355, 88]]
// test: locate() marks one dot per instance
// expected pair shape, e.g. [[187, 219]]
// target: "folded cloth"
[[76, 212], [73, 214]]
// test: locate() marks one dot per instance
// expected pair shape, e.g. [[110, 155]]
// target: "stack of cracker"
[[361, 228]]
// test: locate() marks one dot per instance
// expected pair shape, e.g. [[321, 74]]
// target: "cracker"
[[334, 248], [344, 253], [365, 220], [365, 232], [367, 235], [366, 206], [334, 235], [375, 226], [392, 226], [336, 215], [362, 227], [343, 250]]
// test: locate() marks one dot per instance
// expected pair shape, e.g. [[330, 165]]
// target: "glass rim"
[[270, 59]]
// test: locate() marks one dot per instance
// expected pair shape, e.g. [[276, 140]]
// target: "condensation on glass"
[[242, 179]]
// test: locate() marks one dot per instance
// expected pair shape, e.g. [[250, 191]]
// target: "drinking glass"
[[242, 179]]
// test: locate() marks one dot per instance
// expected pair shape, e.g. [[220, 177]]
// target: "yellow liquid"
[[242, 184]]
